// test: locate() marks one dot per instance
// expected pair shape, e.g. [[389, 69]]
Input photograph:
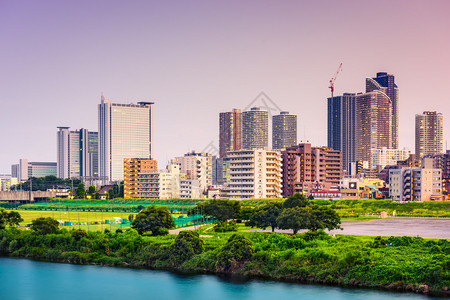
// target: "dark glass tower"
[[342, 127]]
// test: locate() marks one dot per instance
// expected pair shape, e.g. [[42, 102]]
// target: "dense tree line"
[[45, 183]]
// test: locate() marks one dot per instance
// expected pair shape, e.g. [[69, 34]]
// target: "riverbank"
[[395, 263]]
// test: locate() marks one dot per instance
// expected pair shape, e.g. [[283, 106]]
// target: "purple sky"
[[195, 59]]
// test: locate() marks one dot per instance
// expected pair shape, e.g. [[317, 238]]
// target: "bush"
[[225, 227], [236, 251], [78, 234], [45, 225], [154, 219], [187, 244]]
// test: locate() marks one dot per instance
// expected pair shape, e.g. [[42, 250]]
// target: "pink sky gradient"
[[195, 59]]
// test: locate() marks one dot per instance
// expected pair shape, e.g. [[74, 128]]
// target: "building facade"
[[307, 169], [342, 127], [429, 133], [284, 130], [384, 156], [26, 169], [373, 123], [125, 130], [230, 132], [255, 129], [77, 153], [132, 167], [254, 174], [385, 83], [197, 166]]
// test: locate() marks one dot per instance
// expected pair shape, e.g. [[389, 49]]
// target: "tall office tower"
[[284, 130], [373, 123], [230, 127], [125, 130], [255, 129], [307, 168], [429, 133], [197, 166], [254, 174], [342, 127], [77, 153], [384, 82]]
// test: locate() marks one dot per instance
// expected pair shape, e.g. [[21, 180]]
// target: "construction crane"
[[334, 79]]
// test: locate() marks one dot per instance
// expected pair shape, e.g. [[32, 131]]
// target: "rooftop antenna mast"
[[332, 80]]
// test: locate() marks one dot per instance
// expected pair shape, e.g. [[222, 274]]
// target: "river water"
[[27, 279]]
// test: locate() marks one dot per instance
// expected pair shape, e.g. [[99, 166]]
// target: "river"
[[28, 279]]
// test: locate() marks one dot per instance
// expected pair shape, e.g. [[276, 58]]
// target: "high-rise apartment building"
[[125, 130], [342, 127], [307, 168], [254, 174], [132, 167], [429, 133], [230, 132], [255, 129], [373, 123], [197, 166], [284, 130], [385, 83], [77, 153]]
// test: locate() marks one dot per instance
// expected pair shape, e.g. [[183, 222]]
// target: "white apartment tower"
[[254, 174], [197, 166], [125, 131]]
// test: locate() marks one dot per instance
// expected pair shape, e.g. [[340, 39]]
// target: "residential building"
[[307, 169], [254, 174], [132, 168], [373, 123], [125, 130], [230, 132], [197, 166], [161, 184], [415, 184], [284, 130], [190, 189], [429, 133], [255, 129], [77, 153], [342, 127], [384, 156], [217, 171], [385, 83]]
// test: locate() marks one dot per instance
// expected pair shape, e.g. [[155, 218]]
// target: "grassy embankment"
[[396, 263]]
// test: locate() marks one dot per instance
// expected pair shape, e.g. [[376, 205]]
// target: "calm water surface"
[[27, 279]]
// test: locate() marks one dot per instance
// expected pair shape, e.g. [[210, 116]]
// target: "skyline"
[[206, 58]]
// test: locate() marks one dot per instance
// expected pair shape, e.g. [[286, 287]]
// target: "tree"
[[80, 191], [186, 245], [45, 225], [295, 218], [91, 190], [266, 216], [3, 218], [221, 210], [155, 220], [296, 200], [14, 218], [237, 250], [325, 218]]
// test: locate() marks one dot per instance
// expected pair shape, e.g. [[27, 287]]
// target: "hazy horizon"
[[199, 58]]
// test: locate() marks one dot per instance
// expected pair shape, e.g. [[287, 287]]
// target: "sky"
[[195, 59]]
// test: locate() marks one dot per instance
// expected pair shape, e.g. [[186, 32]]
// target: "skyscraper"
[[125, 131], [284, 130], [77, 153], [429, 133], [255, 129], [385, 83], [373, 123], [342, 127], [230, 131]]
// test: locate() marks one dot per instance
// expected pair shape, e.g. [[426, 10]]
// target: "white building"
[[77, 153], [415, 184], [125, 131], [254, 174], [190, 189], [164, 184], [385, 157], [197, 166]]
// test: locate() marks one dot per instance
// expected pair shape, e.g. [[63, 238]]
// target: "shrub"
[[236, 251], [225, 227]]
